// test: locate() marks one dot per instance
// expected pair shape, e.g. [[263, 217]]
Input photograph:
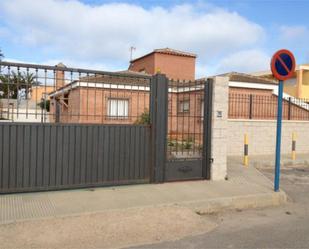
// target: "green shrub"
[[144, 118], [187, 145], [171, 143], [45, 104]]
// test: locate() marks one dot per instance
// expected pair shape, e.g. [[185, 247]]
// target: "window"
[[184, 106], [66, 99], [118, 108]]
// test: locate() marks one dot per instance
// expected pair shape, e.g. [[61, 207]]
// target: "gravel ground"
[[110, 229]]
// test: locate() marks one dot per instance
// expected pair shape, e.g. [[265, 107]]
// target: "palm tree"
[[15, 81], [28, 79]]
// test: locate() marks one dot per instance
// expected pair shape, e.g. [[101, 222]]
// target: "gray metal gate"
[[66, 128], [59, 156], [189, 130], [181, 129]]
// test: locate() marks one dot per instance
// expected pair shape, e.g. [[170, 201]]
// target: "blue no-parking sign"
[[283, 64], [283, 68]]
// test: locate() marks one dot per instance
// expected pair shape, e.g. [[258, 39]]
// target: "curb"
[[200, 207], [239, 202]]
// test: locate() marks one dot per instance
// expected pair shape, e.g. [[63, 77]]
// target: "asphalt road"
[[282, 227]]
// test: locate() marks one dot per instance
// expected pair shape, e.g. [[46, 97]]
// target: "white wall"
[[25, 116], [262, 136]]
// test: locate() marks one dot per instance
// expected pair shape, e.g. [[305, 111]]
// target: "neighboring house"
[[122, 100], [298, 86], [175, 64], [95, 99], [40, 92], [100, 99]]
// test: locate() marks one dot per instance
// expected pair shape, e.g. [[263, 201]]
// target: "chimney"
[[60, 79]]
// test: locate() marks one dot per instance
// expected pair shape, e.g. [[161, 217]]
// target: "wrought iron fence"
[[185, 119], [251, 106], [58, 94]]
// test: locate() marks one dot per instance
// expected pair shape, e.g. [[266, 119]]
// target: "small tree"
[[144, 118], [45, 104]]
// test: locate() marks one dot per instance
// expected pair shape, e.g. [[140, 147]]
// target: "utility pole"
[[131, 52]]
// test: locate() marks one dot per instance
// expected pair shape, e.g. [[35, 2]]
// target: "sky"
[[226, 35]]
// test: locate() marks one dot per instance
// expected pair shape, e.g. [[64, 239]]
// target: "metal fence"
[[64, 128], [57, 94], [251, 106], [185, 119]]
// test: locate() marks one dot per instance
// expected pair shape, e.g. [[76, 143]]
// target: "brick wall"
[[146, 64], [186, 125], [173, 66], [176, 67], [38, 92], [262, 136], [90, 105]]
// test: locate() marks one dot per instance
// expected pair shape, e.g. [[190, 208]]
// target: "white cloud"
[[294, 32], [244, 61], [102, 34]]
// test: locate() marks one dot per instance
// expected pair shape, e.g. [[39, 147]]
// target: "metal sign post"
[[283, 68], [278, 137]]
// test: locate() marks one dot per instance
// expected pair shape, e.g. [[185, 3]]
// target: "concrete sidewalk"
[[245, 188]]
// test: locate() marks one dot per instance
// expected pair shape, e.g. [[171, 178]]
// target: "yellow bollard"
[[293, 146], [246, 150]]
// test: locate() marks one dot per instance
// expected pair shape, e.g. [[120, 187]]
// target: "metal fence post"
[[250, 106], [289, 109], [207, 160], [158, 120]]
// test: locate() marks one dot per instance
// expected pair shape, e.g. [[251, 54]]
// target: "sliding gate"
[[70, 128]]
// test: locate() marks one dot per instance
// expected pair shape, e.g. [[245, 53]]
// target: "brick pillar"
[[219, 138], [60, 79]]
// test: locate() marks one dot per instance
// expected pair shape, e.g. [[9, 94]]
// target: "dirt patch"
[[110, 229]]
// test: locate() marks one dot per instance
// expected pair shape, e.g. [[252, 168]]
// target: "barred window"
[[118, 108], [184, 106]]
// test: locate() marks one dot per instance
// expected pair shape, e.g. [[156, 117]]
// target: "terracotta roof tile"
[[242, 77], [174, 52], [167, 51]]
